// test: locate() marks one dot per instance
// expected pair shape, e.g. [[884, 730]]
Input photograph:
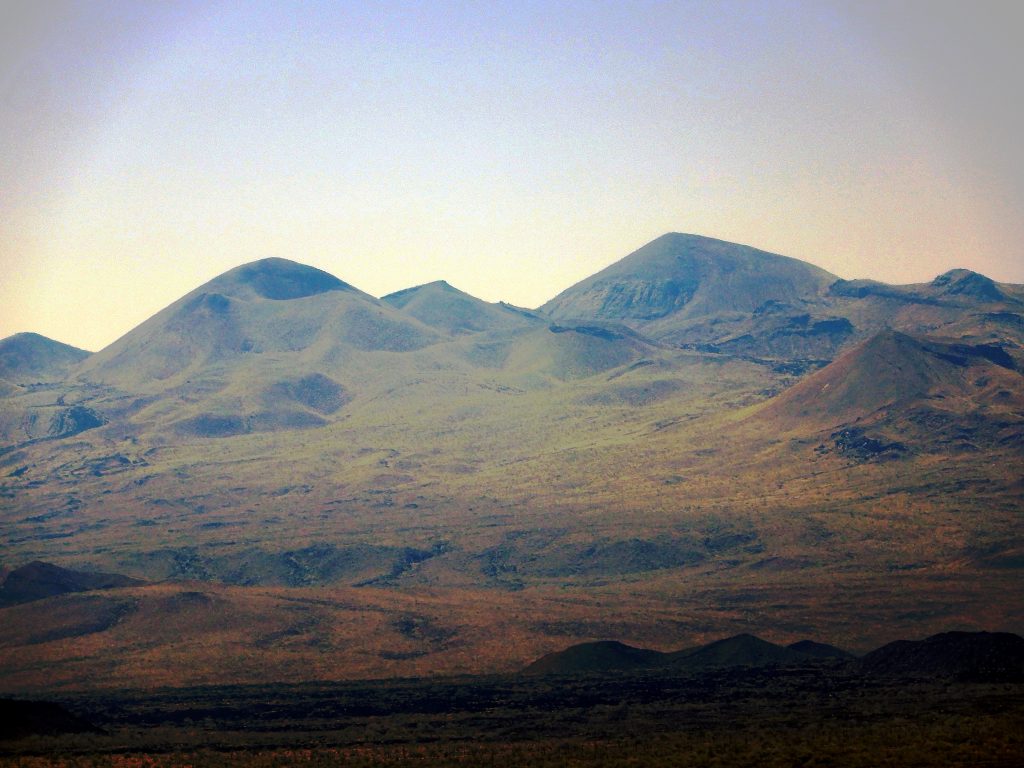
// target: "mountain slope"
[[29, 357], [269, 307], [678, 278], [975, 656], [926, 394], [441, 306], [600, 656], [39, 580], [741, 650], [279, 429], [734, 300]]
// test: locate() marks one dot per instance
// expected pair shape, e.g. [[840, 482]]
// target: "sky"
[[510, 148]]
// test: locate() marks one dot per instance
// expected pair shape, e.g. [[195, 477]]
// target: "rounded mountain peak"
[[405, 295], [277, 279], [688, 276], [964, 282], [443, 306], [31, 355]]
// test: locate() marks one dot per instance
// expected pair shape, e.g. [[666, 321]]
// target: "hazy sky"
[[510, 148]]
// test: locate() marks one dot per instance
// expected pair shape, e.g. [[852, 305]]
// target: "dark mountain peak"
[[38, 579], [737, 651], [33, 356], [600, 656], [685, 276], [990, 656], [812, 649], [964, 282], [954, 276], [742, 640], [277, 279]]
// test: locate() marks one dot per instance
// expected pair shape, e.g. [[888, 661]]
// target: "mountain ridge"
[[475, 470], [961, 655]]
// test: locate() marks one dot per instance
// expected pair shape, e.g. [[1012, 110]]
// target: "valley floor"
[[811, 715]]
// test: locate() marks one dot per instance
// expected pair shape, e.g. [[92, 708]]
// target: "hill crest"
[[444, 307], [889, 369], [276, 279], [686, 276], [32, 356], [742, 650]]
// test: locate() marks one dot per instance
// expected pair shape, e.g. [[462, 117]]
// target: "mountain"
[[743, 650], [934, 394], [32, 367], [976, 656], [972, 656], [601, 656], [892, 370], [730, 441], [969, 286], [29, 357], [734, 300], [268, 346], [441, 306], [811, 649], [676, 280], [39, 580], [274, 308], [277, 346]]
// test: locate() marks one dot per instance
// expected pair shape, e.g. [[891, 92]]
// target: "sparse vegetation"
[[701, 441]]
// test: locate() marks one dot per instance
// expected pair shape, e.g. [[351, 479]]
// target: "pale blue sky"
[[510, 148]]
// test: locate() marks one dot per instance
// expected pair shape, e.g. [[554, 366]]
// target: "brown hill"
[[892, 373]]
